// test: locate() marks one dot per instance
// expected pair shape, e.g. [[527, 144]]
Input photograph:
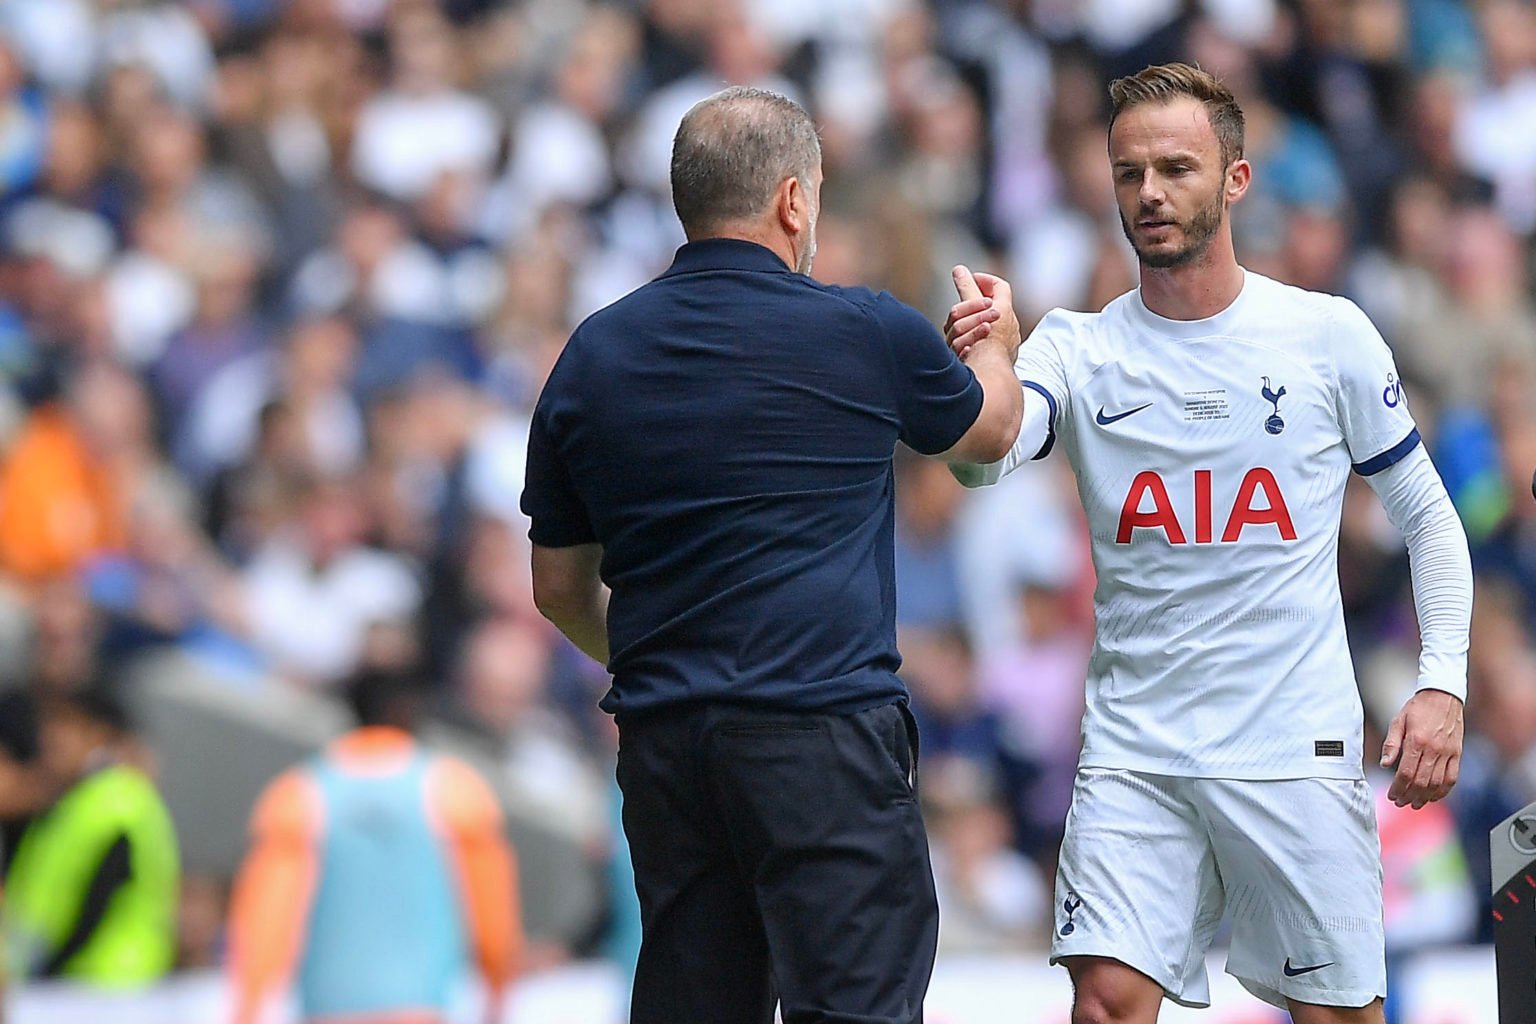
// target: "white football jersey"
[[1211, 458]]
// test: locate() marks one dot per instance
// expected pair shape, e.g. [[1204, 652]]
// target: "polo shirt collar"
[[725, 254]]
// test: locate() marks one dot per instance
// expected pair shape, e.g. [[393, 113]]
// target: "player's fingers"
[[1407, 767], [998, 288], [965, 282], [1448, 780], [1394, 742], [1437, 771], [1427, 783]]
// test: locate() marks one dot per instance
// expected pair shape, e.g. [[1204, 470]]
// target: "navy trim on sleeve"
[[1377, 463], [1050, 433]]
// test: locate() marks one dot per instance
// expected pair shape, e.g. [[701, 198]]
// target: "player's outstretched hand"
[[1424, 743], [985, 310]]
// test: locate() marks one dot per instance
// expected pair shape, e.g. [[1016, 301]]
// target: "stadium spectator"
[[71, 475], [314, 589], [499, 719], [991, 897], [422, 127], [378, 873]]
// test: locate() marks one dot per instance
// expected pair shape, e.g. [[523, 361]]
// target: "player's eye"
[[1129, 175], [1178, 169]]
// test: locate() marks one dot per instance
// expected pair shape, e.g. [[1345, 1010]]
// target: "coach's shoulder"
[[894, 317], [865, 300]]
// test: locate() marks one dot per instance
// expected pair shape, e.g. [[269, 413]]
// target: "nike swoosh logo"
[[1105, 421], [1296, 972]]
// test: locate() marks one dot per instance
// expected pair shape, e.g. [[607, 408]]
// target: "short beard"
[[1199, 231]]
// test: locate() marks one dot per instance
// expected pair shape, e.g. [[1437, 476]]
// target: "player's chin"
[[1162, 254]]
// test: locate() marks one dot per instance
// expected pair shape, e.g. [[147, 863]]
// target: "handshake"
[[984, 312]]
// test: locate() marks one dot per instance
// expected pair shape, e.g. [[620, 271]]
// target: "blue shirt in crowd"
[[725, 433]]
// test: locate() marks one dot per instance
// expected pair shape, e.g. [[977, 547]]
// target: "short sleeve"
[[1043, 372], [463, 801], [558, 516], [937, 396], [1372, 408], [289, 811]]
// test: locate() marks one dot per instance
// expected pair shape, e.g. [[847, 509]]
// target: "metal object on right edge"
[[1513, 849]]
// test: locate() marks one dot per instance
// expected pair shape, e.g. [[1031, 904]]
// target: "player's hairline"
[[1164, 84]]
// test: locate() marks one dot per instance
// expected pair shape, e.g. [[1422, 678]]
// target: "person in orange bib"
[[376, 872]]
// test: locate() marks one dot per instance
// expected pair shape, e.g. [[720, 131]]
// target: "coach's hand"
[[985, 310], [1424, 743]]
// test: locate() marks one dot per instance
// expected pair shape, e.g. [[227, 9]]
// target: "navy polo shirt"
[[725, 433]]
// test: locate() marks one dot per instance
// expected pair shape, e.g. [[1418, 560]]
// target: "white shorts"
[[1150, 862]]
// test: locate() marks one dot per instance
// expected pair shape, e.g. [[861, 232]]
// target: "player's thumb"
[[1394, 742], [965, 283], [997, 289]]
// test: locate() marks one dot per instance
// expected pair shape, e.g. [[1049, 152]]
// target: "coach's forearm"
[[568, 591], [584, 624], [1439, 563]]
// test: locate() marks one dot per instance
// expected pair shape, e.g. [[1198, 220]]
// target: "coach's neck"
[[785, 228], [775, 242]]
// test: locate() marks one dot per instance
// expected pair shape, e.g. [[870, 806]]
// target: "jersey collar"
[[1216, 324], [725, 254]]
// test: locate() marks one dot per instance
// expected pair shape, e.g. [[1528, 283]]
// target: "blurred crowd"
[[280, 279]]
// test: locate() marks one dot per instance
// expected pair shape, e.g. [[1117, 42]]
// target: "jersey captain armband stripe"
[[1050, 423], [1376, 463]]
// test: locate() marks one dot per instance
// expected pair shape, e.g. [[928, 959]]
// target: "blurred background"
[[281, 279]]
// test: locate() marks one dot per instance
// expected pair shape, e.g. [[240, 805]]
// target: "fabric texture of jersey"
[[1150, 862], [1211, 459], [725, 433]]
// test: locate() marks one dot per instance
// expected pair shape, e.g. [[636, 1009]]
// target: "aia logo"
[[1246, 508], [1392, 395]]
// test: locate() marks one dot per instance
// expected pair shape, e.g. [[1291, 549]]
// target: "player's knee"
[[1109, 1003], [1109, 992], [1106, 1008]]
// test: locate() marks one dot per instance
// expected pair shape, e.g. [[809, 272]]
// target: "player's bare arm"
[[993, 348]]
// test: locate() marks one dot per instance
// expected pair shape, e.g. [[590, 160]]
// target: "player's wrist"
[[1442, 686]]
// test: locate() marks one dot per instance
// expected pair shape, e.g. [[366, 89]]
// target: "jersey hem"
[[1276, 992], [1135, 963]]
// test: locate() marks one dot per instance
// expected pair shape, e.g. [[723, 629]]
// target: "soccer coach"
[[710, 486]]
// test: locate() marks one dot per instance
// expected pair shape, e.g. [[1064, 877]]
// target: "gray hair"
[[731, 152]]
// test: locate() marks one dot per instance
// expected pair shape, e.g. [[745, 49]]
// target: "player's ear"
[[1239, 175]]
